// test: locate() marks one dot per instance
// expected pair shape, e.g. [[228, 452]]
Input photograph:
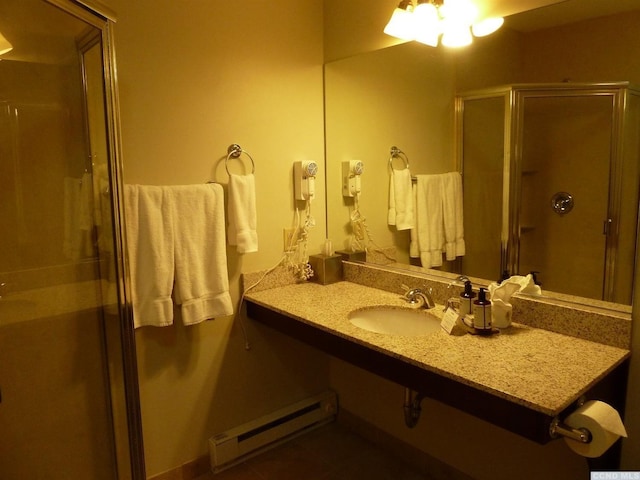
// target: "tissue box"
[[326, 268], [359, 256]]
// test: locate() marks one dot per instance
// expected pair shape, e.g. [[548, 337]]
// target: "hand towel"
[[150, 245], [401, 213], [202, 280], [242, 213], [414, 248], [430, 223], [453, 215]]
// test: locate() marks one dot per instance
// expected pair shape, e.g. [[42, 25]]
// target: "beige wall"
[[373, 102], [195, 77]]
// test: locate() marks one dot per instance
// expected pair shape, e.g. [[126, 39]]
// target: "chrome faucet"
[[418, 296]]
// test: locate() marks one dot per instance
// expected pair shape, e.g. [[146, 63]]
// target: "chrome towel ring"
[[234, 151], [397, 153]]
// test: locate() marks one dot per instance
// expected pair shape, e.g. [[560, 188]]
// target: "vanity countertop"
[[536, 368]]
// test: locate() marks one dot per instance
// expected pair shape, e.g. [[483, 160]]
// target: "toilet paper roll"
[[604, 423]]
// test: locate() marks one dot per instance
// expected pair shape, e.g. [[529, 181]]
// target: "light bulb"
[[460, 11], [456, 34]]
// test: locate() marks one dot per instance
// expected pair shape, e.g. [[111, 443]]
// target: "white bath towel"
[[430, 222], [150, 247], [177, 233], [242, 213], [401, 212], [453, 215], [201, 277], [439, 223]]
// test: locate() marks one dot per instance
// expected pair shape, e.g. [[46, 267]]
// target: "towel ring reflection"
[[234, 151], [397, 153]]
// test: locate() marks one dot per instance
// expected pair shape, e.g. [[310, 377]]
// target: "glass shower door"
[[566, 160], [67, 398]]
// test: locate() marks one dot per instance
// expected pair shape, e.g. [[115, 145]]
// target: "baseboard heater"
[[237, 444]]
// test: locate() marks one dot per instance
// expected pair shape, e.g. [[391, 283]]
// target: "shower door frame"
[[128, 427], [617, 92], [514, 97]]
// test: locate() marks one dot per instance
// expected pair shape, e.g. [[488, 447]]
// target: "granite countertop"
[[539, 369]]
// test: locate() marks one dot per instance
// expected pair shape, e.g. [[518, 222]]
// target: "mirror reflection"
[[535, 116]]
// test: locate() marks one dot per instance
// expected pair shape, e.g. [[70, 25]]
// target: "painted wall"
[[373, 102], [195, 77]]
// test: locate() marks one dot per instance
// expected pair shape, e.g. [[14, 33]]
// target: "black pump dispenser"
[[466, 299], [482, 313]]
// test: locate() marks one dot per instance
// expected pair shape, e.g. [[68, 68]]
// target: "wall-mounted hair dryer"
[[351, 171], [304, 179]]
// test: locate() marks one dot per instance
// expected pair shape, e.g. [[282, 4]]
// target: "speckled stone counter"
[[538, 369]]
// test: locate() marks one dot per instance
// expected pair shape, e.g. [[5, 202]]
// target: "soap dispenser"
[[466, 299], [482, 313]]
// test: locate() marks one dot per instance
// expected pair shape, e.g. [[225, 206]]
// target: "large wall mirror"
[[544, 108]]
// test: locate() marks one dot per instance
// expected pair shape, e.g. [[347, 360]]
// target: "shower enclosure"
[[551, 185], [68, 387]]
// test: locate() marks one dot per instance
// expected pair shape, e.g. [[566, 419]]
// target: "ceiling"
[[567, 11]]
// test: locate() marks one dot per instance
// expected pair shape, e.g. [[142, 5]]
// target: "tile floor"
[[331, 452]]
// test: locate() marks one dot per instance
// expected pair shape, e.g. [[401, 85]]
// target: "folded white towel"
[[177, 233], [453, 215], [202, 281], [242, 213], [430, 223], [150, 250], [401, 213]]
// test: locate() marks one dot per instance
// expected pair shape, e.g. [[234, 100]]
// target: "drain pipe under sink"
[[412, 409]]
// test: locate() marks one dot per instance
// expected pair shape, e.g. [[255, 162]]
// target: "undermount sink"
[[395, 321]]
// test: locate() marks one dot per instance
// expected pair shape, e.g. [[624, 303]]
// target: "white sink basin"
[[395, 321]]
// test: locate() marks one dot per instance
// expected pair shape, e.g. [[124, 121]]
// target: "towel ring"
[[234, 151], [397, 153]]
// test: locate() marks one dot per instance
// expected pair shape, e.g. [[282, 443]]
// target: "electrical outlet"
[[290, 236]]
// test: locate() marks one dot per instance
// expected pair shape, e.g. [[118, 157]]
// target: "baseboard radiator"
[[237, 444]]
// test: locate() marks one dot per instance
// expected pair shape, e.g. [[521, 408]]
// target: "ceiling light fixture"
[[453, 22], [5, 46]]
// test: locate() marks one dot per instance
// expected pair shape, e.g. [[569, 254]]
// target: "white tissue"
[[501, 297], [500, 313], [604, 423]]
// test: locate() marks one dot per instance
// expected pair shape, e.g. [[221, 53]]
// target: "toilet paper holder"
[[558, 429]]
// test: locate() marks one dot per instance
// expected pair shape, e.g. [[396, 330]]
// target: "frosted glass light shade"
[[487, 26], [401, 24], [5, 46], [456, 35], [427, 24]]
